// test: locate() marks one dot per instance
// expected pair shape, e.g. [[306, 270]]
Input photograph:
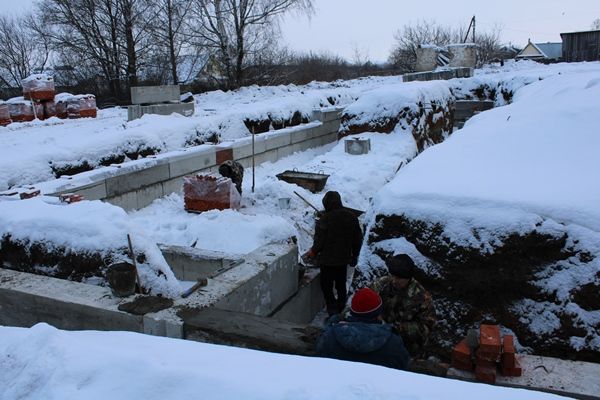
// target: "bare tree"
[[170, 33], [404, 53], [596, 24], [237, 29], [21, 50]]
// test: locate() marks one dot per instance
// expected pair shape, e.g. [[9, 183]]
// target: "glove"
[[309, 256]]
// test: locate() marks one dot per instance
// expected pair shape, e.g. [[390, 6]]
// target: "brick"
[[480, 362], [485, 374], [70, 198], [29, 194], [224, 155], [461, 352], [463, 366], [482, 355], [517, 370], [508, 352], [489, 339]]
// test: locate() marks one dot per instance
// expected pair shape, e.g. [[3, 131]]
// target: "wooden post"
[[253, 163]]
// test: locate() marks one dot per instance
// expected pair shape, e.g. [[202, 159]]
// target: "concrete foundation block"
[[331, 115], [127, 201], [278, 140], [306, 303], [127, 182], [174, 185], [300, 135], [146, 195], [190, 264], [274, 281], [96, 191], [284, 152], [154, 94], [270, 156], [189, 163], [185, 109], [244, 149], [317, 115]]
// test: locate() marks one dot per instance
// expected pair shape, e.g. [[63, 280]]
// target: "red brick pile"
[[4, 114], [491, 354], [209, 192], [41, 101]]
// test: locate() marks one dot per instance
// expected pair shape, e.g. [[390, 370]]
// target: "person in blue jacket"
[[363, 336]]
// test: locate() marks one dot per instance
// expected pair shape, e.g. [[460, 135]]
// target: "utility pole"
[[473, 29], [471, 25]]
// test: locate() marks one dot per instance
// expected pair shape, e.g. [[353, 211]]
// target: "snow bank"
[[43, 362], [88, 228]]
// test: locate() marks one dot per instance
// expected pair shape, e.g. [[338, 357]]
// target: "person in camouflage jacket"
[[407, 306], [233, 170]]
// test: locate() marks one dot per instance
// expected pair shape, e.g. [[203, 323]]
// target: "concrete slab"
[[306, 303], [126, 182], [154, 94], [137, 111], [174, 185], [127, 201], [26, 299], [568, 378], [191, 162], [189, 264], [146, 195]]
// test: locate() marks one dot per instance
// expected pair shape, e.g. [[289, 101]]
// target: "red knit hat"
[[366, 303]]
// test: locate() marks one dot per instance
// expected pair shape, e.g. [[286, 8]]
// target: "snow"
[[85, 227], [526, 157], [43, 362]]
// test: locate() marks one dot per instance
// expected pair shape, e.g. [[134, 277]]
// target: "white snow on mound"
[[86, 227], [43, 362], [537, 155]]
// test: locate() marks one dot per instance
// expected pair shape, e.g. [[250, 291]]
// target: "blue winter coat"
[[368, 341]]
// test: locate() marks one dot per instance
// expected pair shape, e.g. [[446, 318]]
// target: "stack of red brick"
[[40, 101], [491, 354], [209, 192]]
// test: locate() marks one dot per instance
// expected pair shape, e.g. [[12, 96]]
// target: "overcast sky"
[[340, 26]]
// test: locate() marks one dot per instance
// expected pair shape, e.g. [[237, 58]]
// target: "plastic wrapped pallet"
[[81, 106], [209, 192], [38, 87], [4, 114], [22, 110], [60, 102], [49, 109]]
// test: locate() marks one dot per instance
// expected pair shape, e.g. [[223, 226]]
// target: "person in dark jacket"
[[233, 170], [336, 245], [363, 337]]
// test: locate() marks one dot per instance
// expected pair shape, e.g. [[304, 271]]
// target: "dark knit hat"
[[400, 265], [366, 304]]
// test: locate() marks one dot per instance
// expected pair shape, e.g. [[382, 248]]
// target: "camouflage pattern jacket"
[[410, 311]]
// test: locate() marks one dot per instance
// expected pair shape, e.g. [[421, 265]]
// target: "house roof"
[[578, 32], [543, 50], [550, 50]]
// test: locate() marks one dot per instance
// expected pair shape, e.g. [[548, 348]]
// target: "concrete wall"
[[464, 55], [137, 111], [154, 94], [426, 58], [137, 184], [440, 75], [190, 264], [267, 278]]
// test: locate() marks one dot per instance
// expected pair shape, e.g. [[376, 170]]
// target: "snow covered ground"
[[45, 363]]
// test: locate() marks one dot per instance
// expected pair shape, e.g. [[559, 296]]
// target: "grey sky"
[[340, 26]]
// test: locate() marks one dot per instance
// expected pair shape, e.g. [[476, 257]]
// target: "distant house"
[[541, 52], [581, 46]]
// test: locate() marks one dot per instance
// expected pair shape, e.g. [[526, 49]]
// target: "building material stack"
[[487, 356], [204, 192], [4, 114], [40, 101]]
